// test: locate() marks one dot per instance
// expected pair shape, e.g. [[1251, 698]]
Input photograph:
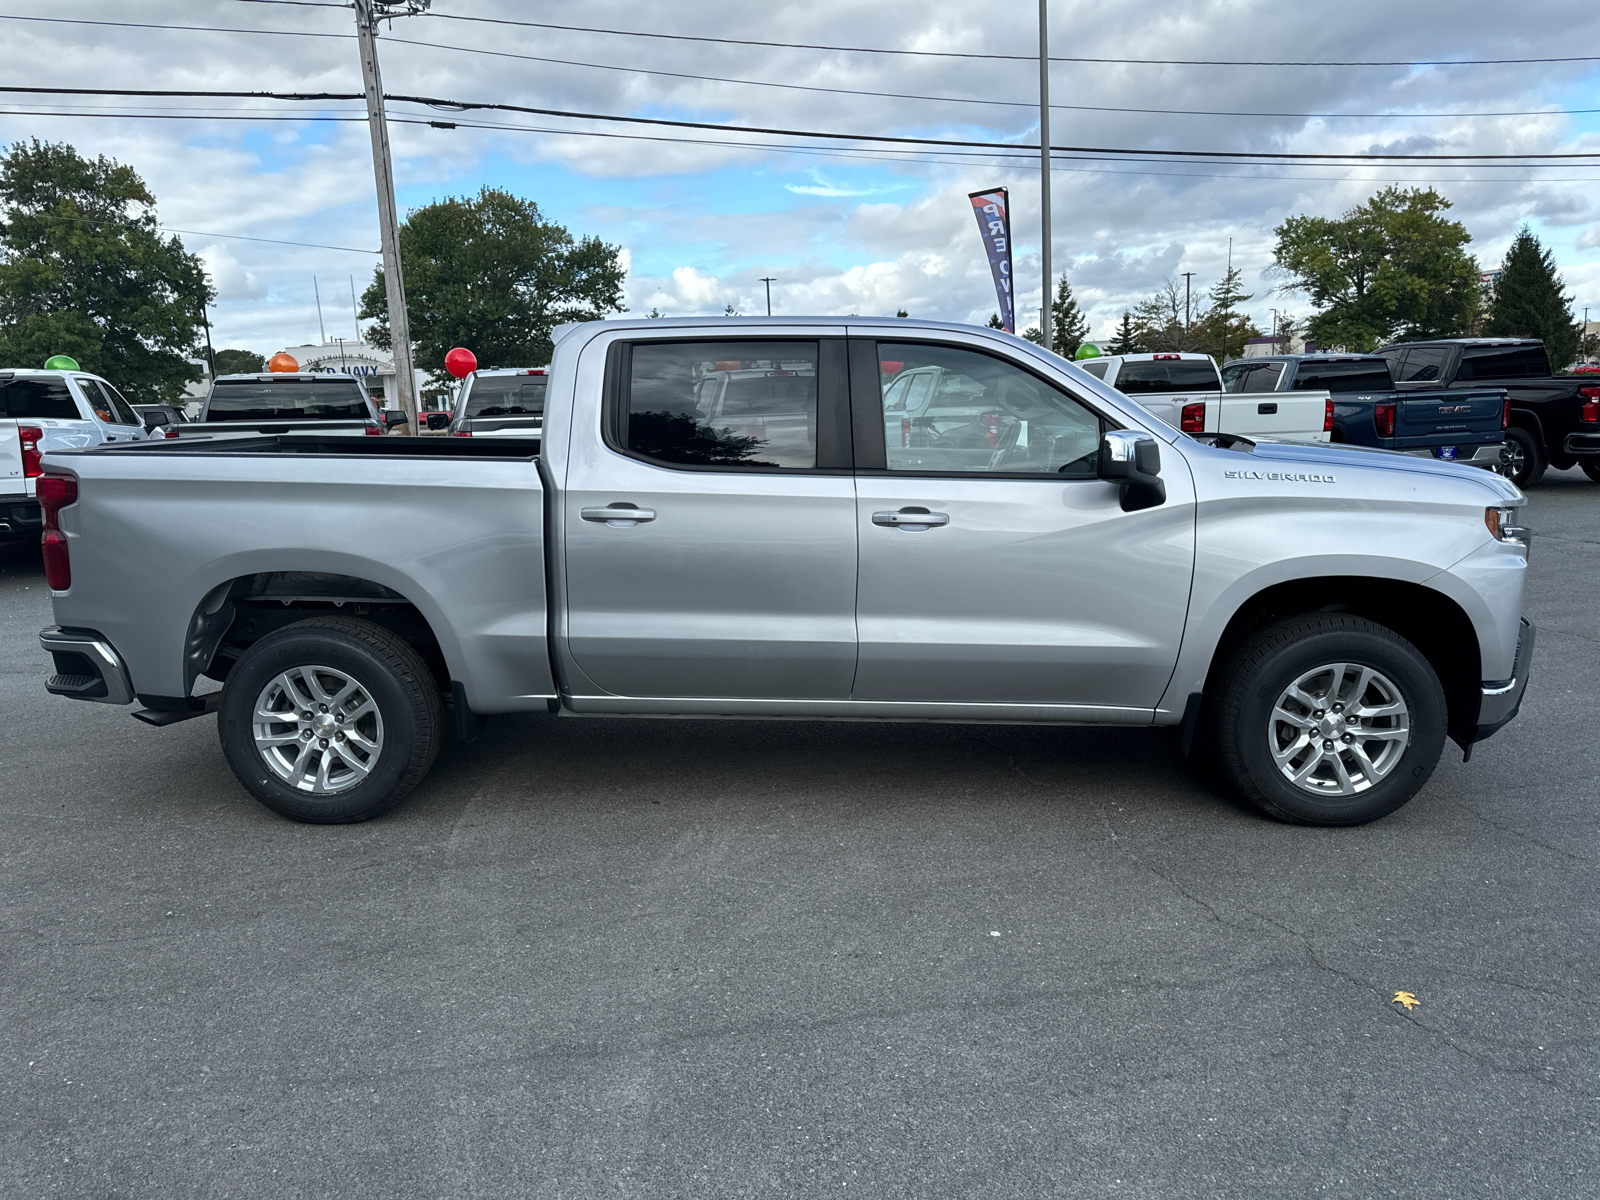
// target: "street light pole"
[[768, 279], [1044, 173], [1187, 276], [368, 13]]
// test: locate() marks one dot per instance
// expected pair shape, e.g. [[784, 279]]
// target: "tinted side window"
[[123, 410], [725, 403], [1098, 370], [1362, 375], [1423, 364], [980, 414], [41, 399], [1234, 376], [99, 404], [1503, 362]]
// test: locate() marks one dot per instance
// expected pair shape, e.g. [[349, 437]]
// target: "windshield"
[[1358, 375], [507, 395], [1174, 375], [287, 399]]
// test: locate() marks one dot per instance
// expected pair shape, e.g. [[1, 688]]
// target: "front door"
[[995, 568], [711, 545]]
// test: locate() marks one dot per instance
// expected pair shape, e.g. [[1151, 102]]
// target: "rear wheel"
[[330, 720], [1524, 460], [1330, 719]]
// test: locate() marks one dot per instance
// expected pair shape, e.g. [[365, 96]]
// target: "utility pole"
[[355, 313], [1044, 174], [768, 280], [1187, 276], [368, 13], [211, 355], [322, 331]]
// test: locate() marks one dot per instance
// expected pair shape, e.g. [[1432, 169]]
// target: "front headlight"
[[1503, 526]]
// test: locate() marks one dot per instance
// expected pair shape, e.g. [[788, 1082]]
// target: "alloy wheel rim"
[[317, 729], [1339, 729]]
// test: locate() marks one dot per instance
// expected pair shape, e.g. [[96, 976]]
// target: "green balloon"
[[61, 362], [1087, 350]]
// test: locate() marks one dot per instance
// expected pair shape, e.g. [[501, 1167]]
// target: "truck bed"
[[504, 448]]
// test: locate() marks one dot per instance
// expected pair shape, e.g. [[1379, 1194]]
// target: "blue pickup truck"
[[1466, 425]]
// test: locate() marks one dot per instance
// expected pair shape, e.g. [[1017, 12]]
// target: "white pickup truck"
[[1185, 391], [52, 410]]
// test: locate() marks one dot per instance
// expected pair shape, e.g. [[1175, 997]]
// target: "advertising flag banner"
[[993, 210]]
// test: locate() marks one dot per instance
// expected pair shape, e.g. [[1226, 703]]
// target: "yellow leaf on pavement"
[[1407, 999]]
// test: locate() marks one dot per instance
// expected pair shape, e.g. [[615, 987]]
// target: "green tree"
[[1393, 267], [491, 274], [1222, 329], [1034, 334], [1159, 320], [995, 322], [1069, 328], [240, 362], [83, 271], [1529, 301], [1126, 339]]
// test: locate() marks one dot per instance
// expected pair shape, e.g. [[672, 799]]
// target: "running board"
[[162, 717]]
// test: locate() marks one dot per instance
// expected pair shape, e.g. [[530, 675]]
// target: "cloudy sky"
[[842, 231]]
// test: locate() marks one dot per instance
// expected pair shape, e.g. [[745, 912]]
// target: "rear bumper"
[[1487, 457], [87, 667], [1502, 699], [19, 517], [1582, 445]]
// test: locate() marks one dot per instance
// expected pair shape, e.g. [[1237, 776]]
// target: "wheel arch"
[[1432, 621]]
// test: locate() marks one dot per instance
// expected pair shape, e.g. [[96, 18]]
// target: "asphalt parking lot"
[[684, 958]]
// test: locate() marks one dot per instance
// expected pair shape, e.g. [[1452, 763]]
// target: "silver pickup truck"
[[1316, 619]]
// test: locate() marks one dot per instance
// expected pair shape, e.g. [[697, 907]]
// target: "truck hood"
[[1332, 455]]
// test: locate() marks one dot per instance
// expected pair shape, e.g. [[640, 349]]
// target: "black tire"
[[401, 690], [1257, 677], [1591, 469], [1525, 457]]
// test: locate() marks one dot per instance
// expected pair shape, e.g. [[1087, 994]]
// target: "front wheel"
[[330, 720], [1330, 719]]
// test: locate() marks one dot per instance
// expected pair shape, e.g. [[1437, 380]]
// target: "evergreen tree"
[[1528, 301], [1222, 329], [1126, 339], [1069, 328], [995, 322], [85, 272], [900, 312], [1034, 334]]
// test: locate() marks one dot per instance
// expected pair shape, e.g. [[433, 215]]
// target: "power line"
[[1121, 62], [1162, 62], [437, 103], [238, 237]]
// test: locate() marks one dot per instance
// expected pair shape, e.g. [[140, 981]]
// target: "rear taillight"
[[30, 436], [374, 430], [1505, 415], [1383, 418], [1327, 416], [1164, 357], [1192, 417], [1591, 404], [463, 433], [55, 492], [172, 433]]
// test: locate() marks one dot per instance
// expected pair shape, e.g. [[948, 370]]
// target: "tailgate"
[[11, 481], [1473, 413], [1297, 416]]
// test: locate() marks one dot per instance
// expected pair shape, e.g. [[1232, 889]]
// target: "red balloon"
[[461, 362]]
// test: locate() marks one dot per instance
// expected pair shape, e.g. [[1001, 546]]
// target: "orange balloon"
[[282, 362]]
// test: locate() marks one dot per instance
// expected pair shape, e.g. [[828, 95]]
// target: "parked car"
[[280, 401], [1186, 391], [1466, 426], [50, 410], [1553, 421], [1321, 617], [500, 402]]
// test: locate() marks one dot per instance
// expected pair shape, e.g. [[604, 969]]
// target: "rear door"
[[714, 558], [1026, 583], [118, 421]]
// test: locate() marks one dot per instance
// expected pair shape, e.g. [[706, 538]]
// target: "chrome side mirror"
[[1133, 461]]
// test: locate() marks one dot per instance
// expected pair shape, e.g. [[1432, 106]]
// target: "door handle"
[[912, 520], [618, 516]]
